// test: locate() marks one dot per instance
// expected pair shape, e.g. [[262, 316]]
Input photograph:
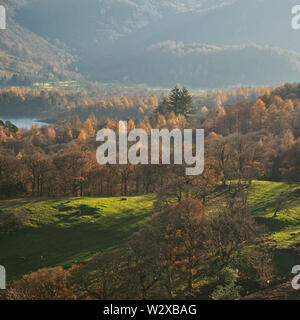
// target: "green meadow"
[[286, 225], [70, 231]]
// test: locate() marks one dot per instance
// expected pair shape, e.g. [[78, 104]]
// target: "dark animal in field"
[[124, 199]]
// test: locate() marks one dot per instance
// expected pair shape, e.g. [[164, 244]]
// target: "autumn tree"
[[231, 229], [180, 233], [38, 166], [258, 115], [44, 284], [74, 165], [101, 277], [205, 184]]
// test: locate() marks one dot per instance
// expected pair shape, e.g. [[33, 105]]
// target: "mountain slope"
[[131, 41], [23, 51], [205, 66], [99, 22]]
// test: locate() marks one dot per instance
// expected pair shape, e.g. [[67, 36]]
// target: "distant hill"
[[99, 22], [202, 66], [263, 26], [23, 51], [133, 42]]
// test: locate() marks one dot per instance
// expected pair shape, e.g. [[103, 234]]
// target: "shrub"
[[45, 284], [229, 290], [13, 220]]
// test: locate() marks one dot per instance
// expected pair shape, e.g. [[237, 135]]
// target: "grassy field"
[[287, 221], [68, 231], [58, 85]]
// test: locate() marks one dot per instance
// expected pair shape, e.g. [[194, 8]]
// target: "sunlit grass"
[[287, 221], [68, 231]]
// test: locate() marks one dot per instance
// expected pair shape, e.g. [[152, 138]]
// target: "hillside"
[[100, 22], [285, 227], [205, 66], [72, 230], [174, 42], [24, 52], [103, 34], [69, 231]]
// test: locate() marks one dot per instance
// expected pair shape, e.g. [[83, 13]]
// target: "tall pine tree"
[[179, 101]]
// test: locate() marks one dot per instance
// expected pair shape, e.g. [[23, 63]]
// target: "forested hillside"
[[121, 104], [25, 54], [90, 212], [138, 226]]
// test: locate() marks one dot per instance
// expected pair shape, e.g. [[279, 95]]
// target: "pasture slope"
[[69, 231]]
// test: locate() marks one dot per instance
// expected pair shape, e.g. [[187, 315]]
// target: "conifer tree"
[[179, 101]]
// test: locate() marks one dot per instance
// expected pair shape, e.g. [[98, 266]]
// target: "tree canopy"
[[179, 101]]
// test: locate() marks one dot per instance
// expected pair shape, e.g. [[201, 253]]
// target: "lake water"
[[24, 122]]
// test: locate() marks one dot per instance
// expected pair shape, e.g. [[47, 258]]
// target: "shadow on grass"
[[285, 259], [272, 224], [21, 252], [262, 207], [81, 210]]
